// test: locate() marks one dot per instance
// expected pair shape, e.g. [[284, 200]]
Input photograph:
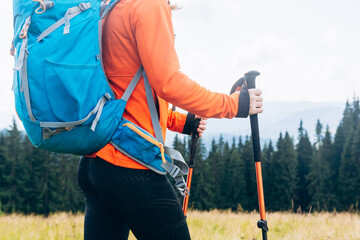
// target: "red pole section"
[[260, 190], [188, 184]]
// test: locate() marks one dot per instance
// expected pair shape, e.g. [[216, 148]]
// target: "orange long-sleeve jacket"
[[141, 32]]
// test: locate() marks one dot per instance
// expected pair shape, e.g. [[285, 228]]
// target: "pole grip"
[[250, 81], [250, 78]]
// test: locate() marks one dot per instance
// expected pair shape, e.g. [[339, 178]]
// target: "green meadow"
[[217, 225]]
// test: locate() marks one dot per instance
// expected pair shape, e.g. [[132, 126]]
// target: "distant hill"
[[277, 117]]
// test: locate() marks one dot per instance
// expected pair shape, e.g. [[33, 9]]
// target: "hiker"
[[121, 194]]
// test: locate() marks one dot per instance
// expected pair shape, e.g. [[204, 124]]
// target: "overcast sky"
[[305, 50]]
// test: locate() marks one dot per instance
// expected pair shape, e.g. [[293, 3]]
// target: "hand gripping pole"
[[262, 223]]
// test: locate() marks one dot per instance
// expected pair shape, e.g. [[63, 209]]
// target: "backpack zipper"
[[148, 138]]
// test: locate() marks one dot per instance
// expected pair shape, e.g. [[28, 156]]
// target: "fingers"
[[256, 91], [256, 101], [202, 125]]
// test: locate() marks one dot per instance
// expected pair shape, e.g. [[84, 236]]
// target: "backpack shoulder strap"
[[107, 6], [153, 111], [126, 95]]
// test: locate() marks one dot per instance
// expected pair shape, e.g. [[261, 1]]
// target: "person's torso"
[[121, 61]]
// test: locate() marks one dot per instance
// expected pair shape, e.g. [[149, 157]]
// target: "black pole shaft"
[[255, 137], [264, 234], [194, 142]]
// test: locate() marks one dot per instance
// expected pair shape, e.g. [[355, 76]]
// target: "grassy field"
[[203, 225]]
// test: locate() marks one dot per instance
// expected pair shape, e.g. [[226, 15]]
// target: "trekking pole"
[[249, 81], [194, 142], [262, 223]]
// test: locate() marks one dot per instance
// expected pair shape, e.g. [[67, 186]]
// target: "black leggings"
[[119, 199]]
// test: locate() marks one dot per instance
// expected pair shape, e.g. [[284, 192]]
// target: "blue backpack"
[[62, 94]]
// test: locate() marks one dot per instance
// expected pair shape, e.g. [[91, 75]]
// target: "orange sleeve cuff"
[[176, 121]]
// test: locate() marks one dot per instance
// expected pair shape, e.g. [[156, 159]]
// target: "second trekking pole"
[[194, 142], [262, 223]]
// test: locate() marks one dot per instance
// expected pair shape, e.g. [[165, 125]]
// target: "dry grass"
[[230, 226], [214, 225], [57, 226]]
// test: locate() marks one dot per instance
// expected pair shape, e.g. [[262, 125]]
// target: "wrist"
[[189, 124]]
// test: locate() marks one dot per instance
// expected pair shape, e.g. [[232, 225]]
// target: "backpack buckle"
[[42, 7], [23, 33], [12, 49], [47, 132], [84, 6]]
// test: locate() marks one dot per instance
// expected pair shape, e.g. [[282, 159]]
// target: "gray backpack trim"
[[21, 66], [70, 13], [97, 110]]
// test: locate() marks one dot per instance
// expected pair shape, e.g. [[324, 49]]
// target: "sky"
[[305, 50]]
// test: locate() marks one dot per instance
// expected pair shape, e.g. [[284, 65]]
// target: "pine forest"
[[299, 175]]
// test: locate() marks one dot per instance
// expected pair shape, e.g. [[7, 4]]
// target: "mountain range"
[[278, 117]]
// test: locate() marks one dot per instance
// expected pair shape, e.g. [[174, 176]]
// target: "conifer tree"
[[247, 156], [71, 196], [225, 177], [213, 170], [13, 166], [233, 179], [236, 195], [283, 175], [304, 154], [31, 201], [3, 165], [267, 159], [318, 133], [349, 180], [342, 132], [356, 113], [49, 184], [201, 194], [216, 163], [180, 145], [321, 188], [240, 145]]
